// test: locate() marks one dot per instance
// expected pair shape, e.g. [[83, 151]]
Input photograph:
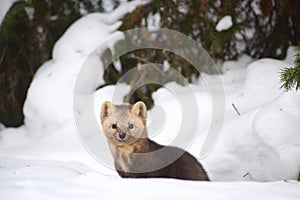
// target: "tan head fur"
[[124, 124]]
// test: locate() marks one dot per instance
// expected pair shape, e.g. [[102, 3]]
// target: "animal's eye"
[[130, 126], [114, 126]]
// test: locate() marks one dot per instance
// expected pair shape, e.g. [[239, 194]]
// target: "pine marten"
[[135, 155]]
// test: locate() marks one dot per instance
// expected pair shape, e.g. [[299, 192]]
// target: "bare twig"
[[236, 110], [246, 174]]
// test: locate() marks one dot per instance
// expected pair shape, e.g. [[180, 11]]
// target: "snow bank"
[[260, 144], [49, 101], [256, 142], [99, 187], [89, 32]]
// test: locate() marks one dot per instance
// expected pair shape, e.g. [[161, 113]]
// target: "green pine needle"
[[290, 76]]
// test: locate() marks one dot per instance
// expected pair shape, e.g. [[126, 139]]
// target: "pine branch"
[[290, 76]]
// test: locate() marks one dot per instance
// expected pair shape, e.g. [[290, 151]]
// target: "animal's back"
[[168, 162]]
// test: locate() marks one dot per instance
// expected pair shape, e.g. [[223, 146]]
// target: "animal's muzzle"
[[122, 136]]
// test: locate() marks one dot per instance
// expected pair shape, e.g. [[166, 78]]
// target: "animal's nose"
[[122, 136]]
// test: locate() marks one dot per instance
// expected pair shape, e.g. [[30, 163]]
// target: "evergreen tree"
[[28, 33], [261, 28], [290, 76]]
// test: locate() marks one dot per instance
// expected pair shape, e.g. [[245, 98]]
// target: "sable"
[[137, 156]]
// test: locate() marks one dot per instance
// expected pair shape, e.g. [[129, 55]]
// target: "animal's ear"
[[106, 110], [140, 110]]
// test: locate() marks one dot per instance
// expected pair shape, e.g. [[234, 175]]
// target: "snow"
[[69, 54], [89, 32], [4, 7], [224, 24], [290, 55], [98, 187], [50, 158], [262, 142], [256, 7]]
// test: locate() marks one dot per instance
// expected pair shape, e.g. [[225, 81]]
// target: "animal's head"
[[123, 124]]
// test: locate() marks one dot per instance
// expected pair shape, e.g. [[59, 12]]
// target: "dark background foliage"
[[261, 28], [27, 36]]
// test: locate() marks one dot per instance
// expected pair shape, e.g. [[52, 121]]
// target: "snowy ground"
[[256, 151]]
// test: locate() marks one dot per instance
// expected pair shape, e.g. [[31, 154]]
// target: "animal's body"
[[137, 156]]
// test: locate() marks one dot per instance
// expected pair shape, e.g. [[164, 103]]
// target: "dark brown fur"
[[140, 157]]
